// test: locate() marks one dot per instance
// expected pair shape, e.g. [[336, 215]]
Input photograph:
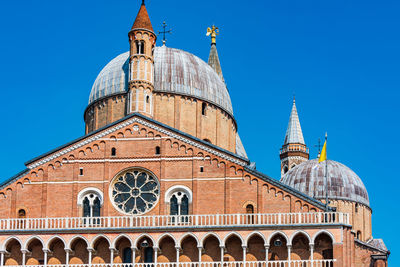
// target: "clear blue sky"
[[341, 59]]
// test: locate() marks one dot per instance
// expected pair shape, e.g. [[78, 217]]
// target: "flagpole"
[[326, 176]]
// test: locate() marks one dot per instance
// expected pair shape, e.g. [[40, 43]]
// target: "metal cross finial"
[[164, 32], [319, 147]]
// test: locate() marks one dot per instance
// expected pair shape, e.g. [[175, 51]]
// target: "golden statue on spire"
[[213, 31]]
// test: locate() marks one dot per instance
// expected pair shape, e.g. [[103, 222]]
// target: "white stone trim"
[[90, 190], [178, 188]]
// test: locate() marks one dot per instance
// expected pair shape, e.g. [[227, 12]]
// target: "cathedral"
[[161, 177]]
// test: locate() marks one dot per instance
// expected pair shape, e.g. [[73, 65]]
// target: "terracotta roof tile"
[[142, 20]]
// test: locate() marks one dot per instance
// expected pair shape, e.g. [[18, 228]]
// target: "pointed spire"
[[213, 61], [142, 20], [294, 135]]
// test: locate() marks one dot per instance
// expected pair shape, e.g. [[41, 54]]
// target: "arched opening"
[[113, 151], [356, 208], [35, 255], [80, 254], [158, 150], [250, 212], [146, 251], [323, 248], [14, 255], [359, 235], [212, 251], [233, 249], [189, 253], [278, 248], [167, 250], [102, 251], [207, 140], [139, 47], [57, 255], [300, 247], [147, 99], [124, 247], [21, 214], [204, 109], [255, 248], [179, 205], [285, 169], [91, 206]]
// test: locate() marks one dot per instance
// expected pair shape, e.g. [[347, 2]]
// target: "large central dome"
[[175, 71]]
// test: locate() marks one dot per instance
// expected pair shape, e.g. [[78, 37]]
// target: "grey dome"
[[343, 183], [175, 71]]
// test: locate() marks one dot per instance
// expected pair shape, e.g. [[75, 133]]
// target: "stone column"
[[200, 252], [177, 254], [311, 252], [112, 250], [289, 250], [45, 251], [67, 252], [244, 253], [24, 251], [266, 252], [90, 255], [222, 254], [2, 257], [156, 250]]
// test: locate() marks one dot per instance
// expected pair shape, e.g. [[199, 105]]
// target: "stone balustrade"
[[283, 263], [174, 221]]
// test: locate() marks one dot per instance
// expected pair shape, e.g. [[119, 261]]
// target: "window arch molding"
[[90, 190], [178, 188]]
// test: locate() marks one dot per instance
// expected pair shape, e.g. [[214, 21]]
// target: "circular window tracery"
[[134, 191]]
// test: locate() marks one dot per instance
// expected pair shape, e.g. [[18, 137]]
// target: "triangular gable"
[[145, 121]]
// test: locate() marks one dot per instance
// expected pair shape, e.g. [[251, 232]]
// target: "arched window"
[[147, 99], [139, 47], [359, 235], [179, 198], [158, 150], [21, 214], [285, 169], [113, 151], [203, 108], [91, 206], [179, 204], [207, 140], [356, 207], [249, 209], [91, 200]]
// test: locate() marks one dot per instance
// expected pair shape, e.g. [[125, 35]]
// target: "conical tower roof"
[[213, 61], [294, 135], [142, 20]]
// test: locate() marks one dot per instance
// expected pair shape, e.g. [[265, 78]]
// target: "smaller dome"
[[343, 183]]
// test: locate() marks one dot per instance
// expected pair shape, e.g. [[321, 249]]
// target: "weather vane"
[[164, 32], [213, 31]]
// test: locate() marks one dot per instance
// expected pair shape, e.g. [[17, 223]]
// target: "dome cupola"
[[343, 183]]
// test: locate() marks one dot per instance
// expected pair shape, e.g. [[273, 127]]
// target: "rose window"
[[135, 191]]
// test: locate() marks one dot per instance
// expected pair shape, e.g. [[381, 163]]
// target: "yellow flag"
[[322, 157]]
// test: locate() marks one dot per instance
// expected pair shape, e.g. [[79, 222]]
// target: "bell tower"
[[142, 40], [294, 150]]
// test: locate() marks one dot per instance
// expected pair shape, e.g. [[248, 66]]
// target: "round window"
[[134, 191]]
